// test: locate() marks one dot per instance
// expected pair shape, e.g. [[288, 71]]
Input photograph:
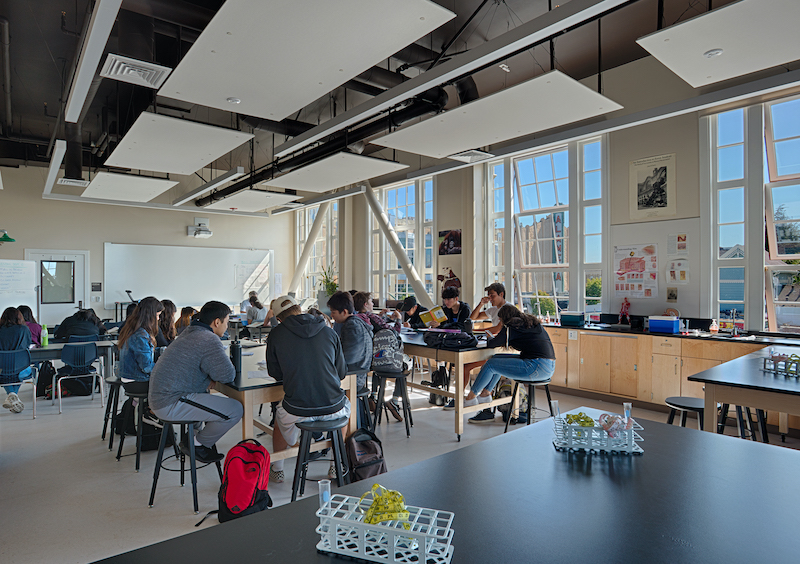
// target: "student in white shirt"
[[246, 303], [496, 295]]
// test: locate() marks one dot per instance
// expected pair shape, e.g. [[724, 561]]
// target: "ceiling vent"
[[73, 182], [471, 156], [136, 72]]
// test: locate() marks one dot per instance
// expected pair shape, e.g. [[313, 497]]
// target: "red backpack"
[[244, 482]]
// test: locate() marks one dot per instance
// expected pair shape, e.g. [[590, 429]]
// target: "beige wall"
[[47, 224]]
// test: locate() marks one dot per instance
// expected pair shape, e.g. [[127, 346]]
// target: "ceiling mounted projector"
[[199, 231]]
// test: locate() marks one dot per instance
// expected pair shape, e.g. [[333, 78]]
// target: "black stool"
[[363, 407], [307, 429], [531, 385], [760, 415], [685, 405], [187, 432], [400, 385], [126, 413], [111, 408]]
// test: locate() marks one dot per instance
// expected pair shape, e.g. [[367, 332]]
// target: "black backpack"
[[364, 455], [440, 378], [151, 435], [452, 341], [45, 378]]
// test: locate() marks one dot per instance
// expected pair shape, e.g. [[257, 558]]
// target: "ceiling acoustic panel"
[[271, 58], [126, 187], [335, 171], [166, 144], [252, 201], [549, 100], [734, 40]]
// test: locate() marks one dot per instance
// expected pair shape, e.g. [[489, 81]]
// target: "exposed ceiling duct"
[[5, 37]]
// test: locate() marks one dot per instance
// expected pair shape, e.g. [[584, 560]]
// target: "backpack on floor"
[[244, 482], [45, 378], [151, 435], [364, 455], [387, 351], [440, 378]]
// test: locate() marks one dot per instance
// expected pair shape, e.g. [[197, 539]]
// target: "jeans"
[[511, 366], [24, 375]]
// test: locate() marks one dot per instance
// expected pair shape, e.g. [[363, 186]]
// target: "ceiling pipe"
[[288, 127], [176, 12], [73, 159], [363, 88], [432, 101], [5, 37]]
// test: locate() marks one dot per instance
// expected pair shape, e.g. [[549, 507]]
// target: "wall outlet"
[[572, 335], [95, 298]]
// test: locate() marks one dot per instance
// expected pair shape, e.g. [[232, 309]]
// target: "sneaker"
[[484, 399], [332, 472], [372, 404], [202, 454], [485, 416], [394, 409], [451, 405], [13, 403], [149, 418], [470, 402], [276, 476]]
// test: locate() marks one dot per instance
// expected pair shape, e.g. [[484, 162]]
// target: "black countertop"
[[748, 372], [755, 339], [516, 499]]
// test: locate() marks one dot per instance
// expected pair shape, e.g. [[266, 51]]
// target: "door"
[[666, 381], [624, 365], [63, 279], [595, 373]]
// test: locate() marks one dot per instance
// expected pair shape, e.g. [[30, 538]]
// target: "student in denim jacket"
[[137, 341]]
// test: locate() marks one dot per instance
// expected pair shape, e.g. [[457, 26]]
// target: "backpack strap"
[[206, 517], [205, 408]]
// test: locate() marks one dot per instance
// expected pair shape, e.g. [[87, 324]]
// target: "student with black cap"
[[411, 310]]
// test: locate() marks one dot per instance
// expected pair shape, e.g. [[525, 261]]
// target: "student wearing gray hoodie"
[[306, 356]]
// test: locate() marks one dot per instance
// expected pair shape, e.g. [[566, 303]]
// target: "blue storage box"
[[665, 324], [572, 319]]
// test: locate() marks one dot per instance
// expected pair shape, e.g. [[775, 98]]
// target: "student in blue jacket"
[[137, 341]]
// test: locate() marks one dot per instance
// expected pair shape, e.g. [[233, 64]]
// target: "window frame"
[[769, 140], [328, 237]]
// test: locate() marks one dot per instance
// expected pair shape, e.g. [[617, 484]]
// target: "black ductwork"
[[73, 158], [432, 101], [288, 127], [176, 12], [467, 90], [5, 37]]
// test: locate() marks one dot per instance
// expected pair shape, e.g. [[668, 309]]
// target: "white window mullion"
[[576, 270], [754, 224]]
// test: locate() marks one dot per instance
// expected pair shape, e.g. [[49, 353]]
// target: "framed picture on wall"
[[652, 187]]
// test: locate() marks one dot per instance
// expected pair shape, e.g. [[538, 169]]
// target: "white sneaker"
[[484, 399], [14, 403], [469, 402], [332, 472], [276, 476]]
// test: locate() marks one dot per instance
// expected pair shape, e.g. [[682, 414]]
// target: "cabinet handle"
[[676, 369], [635, 368]]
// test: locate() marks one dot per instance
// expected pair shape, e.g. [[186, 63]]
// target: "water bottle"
[[236, 359], [45, 339], [468, 326]]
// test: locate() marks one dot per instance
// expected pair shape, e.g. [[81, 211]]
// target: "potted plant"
[[329, 285]]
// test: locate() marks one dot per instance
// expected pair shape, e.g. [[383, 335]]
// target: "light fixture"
[[5, 238], [232, 174], [94, 43], [712, 53], [56, 159], [319, 199], [471, 156]]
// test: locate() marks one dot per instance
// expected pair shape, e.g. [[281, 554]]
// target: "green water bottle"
[[45, 339]]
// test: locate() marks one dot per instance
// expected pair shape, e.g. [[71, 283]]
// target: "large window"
[[410, 209], [556, 195], [324, 253]]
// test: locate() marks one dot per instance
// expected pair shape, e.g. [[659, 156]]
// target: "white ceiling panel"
[[126, 187], [550, 100], [335, 171], [166, 144], [731, 41], [278, 56], [252, 201]]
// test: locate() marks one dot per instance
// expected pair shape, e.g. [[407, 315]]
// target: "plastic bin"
[[665, 324], [572, 319]]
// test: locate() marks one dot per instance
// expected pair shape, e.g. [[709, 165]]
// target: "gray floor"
[[67, 499]]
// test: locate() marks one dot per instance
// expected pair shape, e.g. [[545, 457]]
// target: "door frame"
[[56, 253]]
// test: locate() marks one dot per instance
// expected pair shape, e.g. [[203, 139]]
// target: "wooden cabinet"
[[667, 345], [624, 365], [595, 368], [558, 337], [689, 367], [666, 378]]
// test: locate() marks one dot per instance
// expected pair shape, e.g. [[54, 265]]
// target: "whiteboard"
[[189, 276], [18, 284], [657, 232]]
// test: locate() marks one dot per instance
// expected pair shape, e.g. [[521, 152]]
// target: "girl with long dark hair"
[[30, 321], [185, 319], [137, 341], [536, 359], [14, 336], [166, 324]]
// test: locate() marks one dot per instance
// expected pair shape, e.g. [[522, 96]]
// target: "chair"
[[187, 431], [531, 385], [79, 358], [307, 429], [14, 362], [114, 385], [400, 383], [685, 405], [83, 338], [743, 428], [126, 413]]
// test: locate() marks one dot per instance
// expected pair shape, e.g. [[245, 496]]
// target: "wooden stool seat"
[[685, 405]]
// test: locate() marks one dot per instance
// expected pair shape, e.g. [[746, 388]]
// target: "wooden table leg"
[[247, 417], [459, 399], [710, 409], [783, 423]]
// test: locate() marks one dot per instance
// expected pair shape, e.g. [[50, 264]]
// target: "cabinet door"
[[624, 364], [595, 372], [690, 366], [560, 375], [666, 379]]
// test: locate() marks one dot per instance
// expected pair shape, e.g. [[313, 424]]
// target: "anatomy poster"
[[636, 271]]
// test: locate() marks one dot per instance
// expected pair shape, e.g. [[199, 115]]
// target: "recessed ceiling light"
[[712, 53], [233, 100]]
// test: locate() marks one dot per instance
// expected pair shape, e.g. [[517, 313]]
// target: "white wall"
[[47, 224]]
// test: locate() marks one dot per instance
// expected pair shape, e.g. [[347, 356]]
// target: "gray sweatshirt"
[[188, 365]]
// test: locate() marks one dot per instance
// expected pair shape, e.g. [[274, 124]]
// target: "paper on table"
[[260, 375]]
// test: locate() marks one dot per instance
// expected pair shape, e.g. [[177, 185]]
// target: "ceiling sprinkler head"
[[233, 100], [712, 53], [504, 67]]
